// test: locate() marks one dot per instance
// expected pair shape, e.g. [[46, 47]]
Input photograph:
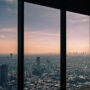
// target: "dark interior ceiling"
[[78, 6]]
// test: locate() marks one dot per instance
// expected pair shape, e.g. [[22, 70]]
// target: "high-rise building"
[[11, 55], [3, 74], [38, 63], [37, 70]]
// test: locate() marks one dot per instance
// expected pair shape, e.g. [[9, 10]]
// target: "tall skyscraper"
[[11, 55], [3, 74], [38, 63]]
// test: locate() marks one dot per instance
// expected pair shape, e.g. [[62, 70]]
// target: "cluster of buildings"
[[42, 77], [7, 80], [78, 73], [45, 75]]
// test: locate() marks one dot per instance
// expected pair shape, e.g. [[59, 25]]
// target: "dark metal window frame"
[[20, 74]]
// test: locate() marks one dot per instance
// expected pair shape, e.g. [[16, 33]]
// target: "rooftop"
[[88, 88]]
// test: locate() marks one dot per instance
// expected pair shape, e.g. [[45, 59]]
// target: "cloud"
[[10, 1], [2, 36], [45, 33], [74, 18], [85, 20], [8, 30]]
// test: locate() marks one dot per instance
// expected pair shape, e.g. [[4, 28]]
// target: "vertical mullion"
[[20, 74], [63, 50]]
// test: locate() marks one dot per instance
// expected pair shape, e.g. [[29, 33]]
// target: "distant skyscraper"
[[3, 74], [38, 63], [37, 69], [11, 54]]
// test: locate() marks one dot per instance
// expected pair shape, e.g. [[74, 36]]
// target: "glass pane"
[[8, 44], [42, 48], [78, 51]]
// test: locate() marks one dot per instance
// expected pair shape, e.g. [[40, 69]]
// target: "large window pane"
[[42, 48], [8, 44], [78, 51]]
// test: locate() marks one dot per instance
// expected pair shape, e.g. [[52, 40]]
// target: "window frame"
[[20, 74], [20, 66]]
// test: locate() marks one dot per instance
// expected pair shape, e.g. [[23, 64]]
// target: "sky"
[[42, 29]]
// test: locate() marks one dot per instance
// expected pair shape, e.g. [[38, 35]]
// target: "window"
[[8, 45], [42, 48], [78, 51]]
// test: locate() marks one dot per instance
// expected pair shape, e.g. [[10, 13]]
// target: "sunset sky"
[[42, 29]]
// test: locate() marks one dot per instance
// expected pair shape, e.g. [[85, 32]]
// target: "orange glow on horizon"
[[49, 47], [8, 47]]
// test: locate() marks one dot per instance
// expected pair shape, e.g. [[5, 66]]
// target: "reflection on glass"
[[42, 48], [8, 45], [78, 58]]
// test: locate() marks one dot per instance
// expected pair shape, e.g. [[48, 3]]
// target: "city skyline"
[[42, 37], [42, 65]]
